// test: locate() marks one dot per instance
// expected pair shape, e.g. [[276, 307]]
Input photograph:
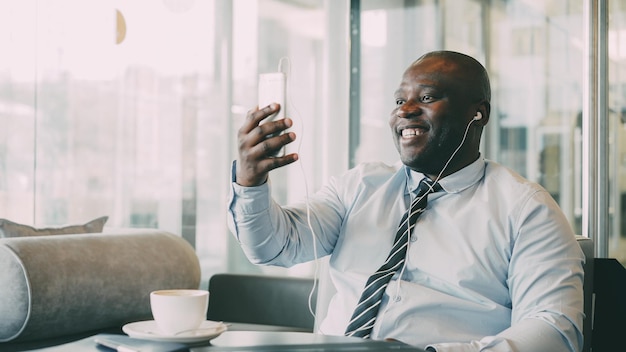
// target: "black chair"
[[586, 244], [609, 315], [605, 303], [274, 303]]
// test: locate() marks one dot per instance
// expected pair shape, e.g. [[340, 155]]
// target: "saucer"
[[148, 330]]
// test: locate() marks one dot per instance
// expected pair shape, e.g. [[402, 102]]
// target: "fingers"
[[251, 174], [253, 131], [256, 115], [266, 139], [270, 146]]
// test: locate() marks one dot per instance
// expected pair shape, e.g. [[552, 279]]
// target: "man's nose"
[[408, 110]]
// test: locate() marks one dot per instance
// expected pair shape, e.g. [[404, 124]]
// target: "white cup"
[[175, 311]]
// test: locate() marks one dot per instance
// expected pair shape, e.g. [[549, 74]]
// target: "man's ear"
[[484, 109]]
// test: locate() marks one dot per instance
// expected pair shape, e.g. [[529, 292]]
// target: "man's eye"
[[427, 98], [399, 102]]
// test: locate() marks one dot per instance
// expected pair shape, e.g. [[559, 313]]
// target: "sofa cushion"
[[67, 284], [12, 229]]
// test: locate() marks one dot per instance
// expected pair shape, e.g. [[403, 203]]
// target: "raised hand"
[[258, 143]]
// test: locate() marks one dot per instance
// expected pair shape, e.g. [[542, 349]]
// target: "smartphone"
[[273, 89]]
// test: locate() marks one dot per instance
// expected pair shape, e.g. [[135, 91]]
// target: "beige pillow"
[[12, 229]]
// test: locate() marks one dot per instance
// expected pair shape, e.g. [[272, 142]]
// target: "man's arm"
[[527, 336], [284, 236], [250, 214], [545, 280]]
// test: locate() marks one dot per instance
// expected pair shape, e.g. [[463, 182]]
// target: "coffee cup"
[[178, 310]]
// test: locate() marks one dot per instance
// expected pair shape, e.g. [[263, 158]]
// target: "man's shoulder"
[[372, 174], [377, 167], [503, 176]]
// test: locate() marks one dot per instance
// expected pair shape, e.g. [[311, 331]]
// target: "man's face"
[[431, 114]]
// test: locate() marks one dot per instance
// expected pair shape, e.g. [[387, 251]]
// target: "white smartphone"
[[273, 89]]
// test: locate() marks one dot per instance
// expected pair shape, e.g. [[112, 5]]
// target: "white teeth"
[[410, 132]]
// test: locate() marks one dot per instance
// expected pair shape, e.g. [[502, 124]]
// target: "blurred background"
[[131, 108]]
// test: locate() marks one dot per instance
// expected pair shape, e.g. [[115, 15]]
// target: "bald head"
[[466, 68]]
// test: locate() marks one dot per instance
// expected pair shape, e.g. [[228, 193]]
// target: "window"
[[534, 53], [130, 109]]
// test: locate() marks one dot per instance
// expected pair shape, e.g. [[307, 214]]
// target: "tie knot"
[[427, 186]]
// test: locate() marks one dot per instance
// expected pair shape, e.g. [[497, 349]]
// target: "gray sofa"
[[59, 286]]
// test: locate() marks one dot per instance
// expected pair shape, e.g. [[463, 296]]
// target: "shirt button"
[[397, 298], [413, 238]]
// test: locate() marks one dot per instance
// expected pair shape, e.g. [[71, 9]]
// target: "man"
[[491, 264]]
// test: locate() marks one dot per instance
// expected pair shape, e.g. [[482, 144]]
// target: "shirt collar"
[[455, 183]]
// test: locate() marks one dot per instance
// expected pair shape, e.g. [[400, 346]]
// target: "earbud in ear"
[[478, 116]]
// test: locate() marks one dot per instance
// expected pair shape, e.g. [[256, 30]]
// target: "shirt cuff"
[[247, 200], [454, 347]]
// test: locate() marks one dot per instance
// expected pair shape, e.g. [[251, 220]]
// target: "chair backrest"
[[586, 244], [280, 302], [609, 310]]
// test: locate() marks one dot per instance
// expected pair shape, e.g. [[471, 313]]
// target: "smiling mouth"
[[412, 132]]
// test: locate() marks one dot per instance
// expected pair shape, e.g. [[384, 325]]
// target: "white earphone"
[[477, 117]]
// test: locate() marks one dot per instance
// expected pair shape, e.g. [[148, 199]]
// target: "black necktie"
[[365, 313]]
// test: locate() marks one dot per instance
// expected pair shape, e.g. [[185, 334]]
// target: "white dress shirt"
[[492, 265]]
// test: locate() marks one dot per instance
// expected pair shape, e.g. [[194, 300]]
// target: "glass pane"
[[117, 111], [617, 129], [131, 109], [294, 37], [17, 110], [533, 52]]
